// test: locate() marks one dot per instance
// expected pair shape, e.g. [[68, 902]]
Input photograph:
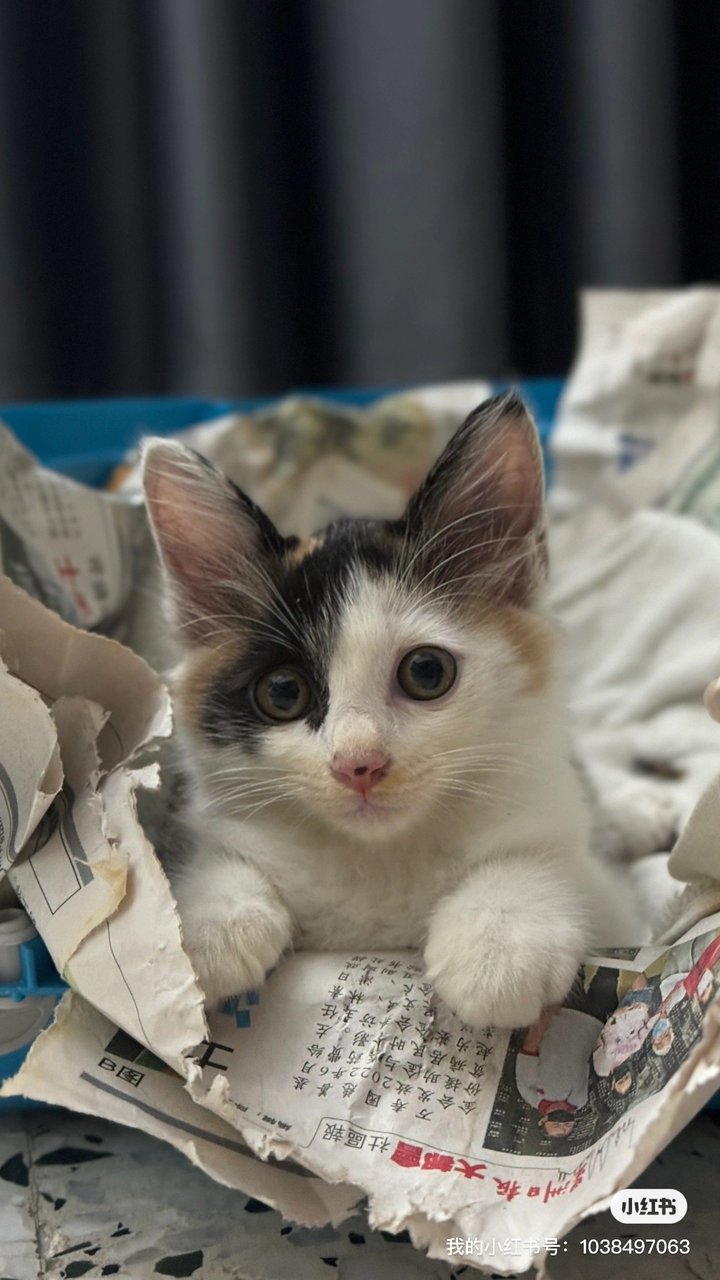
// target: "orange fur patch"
[[305, 548], [194, 679], [531, 637]]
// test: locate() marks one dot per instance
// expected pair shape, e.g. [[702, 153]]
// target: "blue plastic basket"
[[38, 981], [85, 439]]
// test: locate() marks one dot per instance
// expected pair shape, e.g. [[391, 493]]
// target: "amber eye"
[[282, 695], [427, 673]]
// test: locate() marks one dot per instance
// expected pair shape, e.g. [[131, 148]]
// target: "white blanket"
[[636, 573]]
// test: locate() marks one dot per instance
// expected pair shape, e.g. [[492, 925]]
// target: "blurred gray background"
[[239, 196]]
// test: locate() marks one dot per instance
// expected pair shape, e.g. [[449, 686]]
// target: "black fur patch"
[[305, 613]]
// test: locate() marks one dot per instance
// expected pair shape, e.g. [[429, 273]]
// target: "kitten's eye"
[[282, 695], [426, 673]]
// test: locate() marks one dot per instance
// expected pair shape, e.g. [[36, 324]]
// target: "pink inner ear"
[[483, 505], [194, 512], [497, 475], [519, 476], [206, 541]]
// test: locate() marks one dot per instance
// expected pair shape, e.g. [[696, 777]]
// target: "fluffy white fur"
[[474, 847], [476, 850]]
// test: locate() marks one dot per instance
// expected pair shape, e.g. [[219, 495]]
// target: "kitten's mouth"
[[374, 808], [368, 805], [400, 799]]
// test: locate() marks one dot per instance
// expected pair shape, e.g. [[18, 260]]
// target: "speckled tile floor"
[[79, 1197]]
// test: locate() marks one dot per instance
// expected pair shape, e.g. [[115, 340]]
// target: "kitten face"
[[365, 676]]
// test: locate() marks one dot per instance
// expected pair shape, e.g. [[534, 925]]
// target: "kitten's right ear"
[[216, 546], [478, 517]]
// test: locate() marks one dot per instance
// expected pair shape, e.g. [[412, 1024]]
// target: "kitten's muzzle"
[[360, 773]]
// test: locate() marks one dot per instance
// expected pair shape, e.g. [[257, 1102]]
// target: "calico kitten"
[[373, 725]]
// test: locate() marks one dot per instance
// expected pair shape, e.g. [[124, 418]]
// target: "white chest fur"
[[343, 895]]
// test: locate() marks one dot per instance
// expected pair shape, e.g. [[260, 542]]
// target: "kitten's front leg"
[[507, 942], [234, 926]]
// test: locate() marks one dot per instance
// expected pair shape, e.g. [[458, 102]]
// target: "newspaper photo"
[[345, 1083]]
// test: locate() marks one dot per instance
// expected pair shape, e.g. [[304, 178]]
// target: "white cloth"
[[635, 516], [642, 618]]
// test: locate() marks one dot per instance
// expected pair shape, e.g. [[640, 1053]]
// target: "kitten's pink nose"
[[363, 772]]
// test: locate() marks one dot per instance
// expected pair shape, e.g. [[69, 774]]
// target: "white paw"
[[502, 974], [231, 956], [648, 818]]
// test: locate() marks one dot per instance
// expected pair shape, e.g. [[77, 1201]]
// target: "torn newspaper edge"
[[75, 685], [91, 1066], [30, 770]]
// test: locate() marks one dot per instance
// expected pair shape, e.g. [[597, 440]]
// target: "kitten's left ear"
[[477, 521], [217, 548]]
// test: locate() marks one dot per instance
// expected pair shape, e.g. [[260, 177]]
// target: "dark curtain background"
[[229, 196]]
